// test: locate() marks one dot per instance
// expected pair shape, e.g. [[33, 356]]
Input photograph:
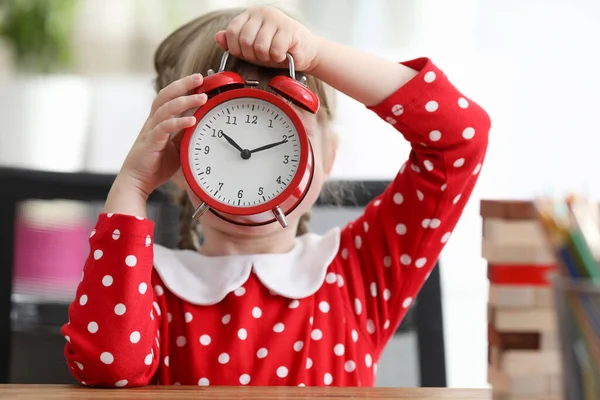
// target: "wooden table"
[[47, 392]]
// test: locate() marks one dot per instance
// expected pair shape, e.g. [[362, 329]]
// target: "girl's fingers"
[[262, 44], [178, 106], [161, 133], [176, 89], [233, 32], [247, 37], [280, 45]]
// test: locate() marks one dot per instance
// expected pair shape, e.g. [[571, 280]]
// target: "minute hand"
[[268, 146]]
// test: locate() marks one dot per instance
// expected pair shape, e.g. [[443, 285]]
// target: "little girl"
[[271, 305]]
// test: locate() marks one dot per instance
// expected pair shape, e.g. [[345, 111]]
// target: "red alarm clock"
[[248, 158]]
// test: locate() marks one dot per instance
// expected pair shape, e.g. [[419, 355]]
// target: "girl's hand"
[[154, 156], [263, 35]]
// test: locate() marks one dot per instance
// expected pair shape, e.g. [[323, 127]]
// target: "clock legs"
[[202, 208], [280, 216]]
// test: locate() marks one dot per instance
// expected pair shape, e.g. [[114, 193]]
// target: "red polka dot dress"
[[316, 316]]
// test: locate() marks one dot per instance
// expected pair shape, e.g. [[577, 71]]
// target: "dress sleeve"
[[388, 252], [112, 334]]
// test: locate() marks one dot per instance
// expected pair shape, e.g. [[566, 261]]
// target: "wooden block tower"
[[523, 345]]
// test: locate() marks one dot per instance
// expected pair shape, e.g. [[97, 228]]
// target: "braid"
[[188, 234], [303, 224]]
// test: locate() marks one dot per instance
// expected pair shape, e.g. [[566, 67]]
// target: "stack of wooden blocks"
[[524, 350]]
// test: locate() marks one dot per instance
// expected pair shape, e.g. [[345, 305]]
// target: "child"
[[268, 305]]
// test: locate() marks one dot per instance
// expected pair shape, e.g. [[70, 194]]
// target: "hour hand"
[[268, 146], [233, 143]]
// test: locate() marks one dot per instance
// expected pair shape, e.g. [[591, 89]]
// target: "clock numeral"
[[206, 150], [261, 191], [208, 170], [240, 194], [278, 180], [220, 185], [284, 137], [231, 120], [270, 123], [218, 133], [286, 159], [251, 119]]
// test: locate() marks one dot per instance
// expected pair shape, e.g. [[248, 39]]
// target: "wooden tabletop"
[[47, 392]]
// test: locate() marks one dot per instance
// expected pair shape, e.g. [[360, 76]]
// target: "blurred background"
[[76, 84]]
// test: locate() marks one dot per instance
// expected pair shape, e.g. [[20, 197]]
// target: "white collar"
[[204, 280]]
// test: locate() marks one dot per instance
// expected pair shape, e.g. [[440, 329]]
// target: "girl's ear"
[[330, 148]]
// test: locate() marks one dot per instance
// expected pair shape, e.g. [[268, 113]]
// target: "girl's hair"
[[193, 49]]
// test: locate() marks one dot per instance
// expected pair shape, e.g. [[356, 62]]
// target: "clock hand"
[[232, 142], [268, 146]]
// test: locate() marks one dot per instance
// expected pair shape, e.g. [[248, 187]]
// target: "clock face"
[[244, 152]]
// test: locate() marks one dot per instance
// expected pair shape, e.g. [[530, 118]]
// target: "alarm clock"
[[248, 158]]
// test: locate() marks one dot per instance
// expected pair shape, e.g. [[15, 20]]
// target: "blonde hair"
[[193, 49]]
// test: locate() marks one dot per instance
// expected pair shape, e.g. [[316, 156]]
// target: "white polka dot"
[[92, 233], [339, 349], [459, 163], [324, 306], [203, 382], [311, 320], [159, 290], [98, 254], [431, 106], [368, 360], [120, 309], [262, 353], [358, 242], [156, 307], [282, 372], [435, 136], [373, 288], [107, 358], [402, 168], [116, 234], [429, 77], [390, 120], [370, 326], [151, 315], [415, 168], [92, 327], [468, 133], [148, 241], [345, 254], [278, 328], [428, 165], [82, 275], [187, 316], [456, 199], [107, 280], [301, 385], [407, 302], [327, 379], [109, 215], [170, 317], [349, 366], [357, 306], [387, 261], [140, 218], [340, 280], [401, 229], [446, 237], [444, 186], [240, 291], [405, 259], [420, 262], [316, 334], [142, 288], [463, 103], [256, 312], [386, 324], [226, 318], [354, 335], [298, 345], [176, 384], [242, 334], [435, 223], [134, 337], [398, 198], [181, 341], [294, 304], [223, 358], [420, 195], [245, 379], [205, 340], [425, 223], [83, 300], [397, 109], [366, 226], [79, 365], [131, 260], [309, 363], [331, 278], [121, 383], [477, 169], [387, 294], [148, 359], [68, 338]]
